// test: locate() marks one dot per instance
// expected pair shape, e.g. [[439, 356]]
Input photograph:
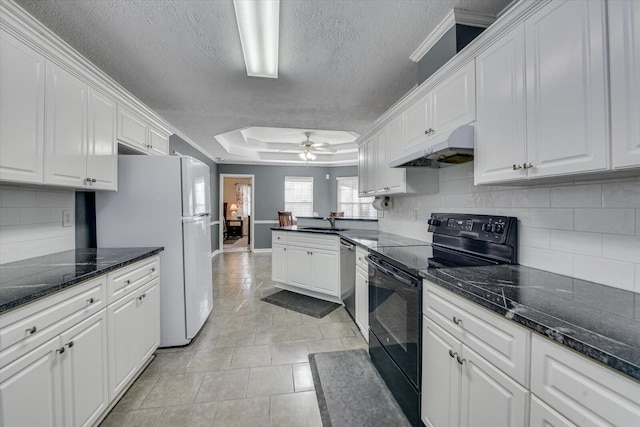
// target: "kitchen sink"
[[321, 229]]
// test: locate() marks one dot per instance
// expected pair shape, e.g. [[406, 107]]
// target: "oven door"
[[395, 315]]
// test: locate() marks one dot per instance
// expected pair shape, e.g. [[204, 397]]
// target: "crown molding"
[[454, 17]]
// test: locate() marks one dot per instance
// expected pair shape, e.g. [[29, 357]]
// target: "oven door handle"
[[404, 280]]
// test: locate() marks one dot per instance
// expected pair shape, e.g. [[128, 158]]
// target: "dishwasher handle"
[[347, 245]]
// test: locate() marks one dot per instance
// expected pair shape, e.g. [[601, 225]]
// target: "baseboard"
[[216, 252]]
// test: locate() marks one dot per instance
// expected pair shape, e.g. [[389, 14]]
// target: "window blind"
[[298, 195]]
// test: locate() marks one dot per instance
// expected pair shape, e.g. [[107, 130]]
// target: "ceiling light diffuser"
[[307, 156], [259, 27]]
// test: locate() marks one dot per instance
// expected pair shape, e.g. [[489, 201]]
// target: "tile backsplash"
[[31, 222], [588, 230]]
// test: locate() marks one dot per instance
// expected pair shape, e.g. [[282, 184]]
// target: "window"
[[349, 202], [298, 195]]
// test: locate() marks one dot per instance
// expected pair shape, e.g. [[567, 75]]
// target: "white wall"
[[31, 222], [588, 230]]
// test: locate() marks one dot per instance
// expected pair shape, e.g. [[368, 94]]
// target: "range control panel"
[[488, 228]]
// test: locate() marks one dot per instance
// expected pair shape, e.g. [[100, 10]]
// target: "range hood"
[[448, 149]]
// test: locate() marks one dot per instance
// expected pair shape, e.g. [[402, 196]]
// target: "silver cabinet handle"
[[456, 320], [31, 330], [516, 167], [60, 350], [126, 282], [527, 166], [70, 344], [460, 360], [139, 298], [144, 295], [429, 131], [91, 300], [284, 249], [153, 269], [452, 354]]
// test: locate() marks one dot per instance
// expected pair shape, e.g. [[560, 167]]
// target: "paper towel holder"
[[382, 203]]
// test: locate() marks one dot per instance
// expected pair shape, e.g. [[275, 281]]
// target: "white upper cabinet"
[[542, 96], [362, 170], [158, 141], [453, 102], [370, 170], [136, 132], [567, 102], [500, 128], [65, 129], [22, 82], [624, 53], [415, 118], [395, 177], [102, 149]]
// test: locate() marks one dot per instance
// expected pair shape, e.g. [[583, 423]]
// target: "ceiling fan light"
[[306, 155], [259, 27]]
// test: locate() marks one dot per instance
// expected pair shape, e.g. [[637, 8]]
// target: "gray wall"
[[269, 191], [181, 146]]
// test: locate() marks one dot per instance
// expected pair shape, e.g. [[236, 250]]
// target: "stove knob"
[[436, 222], [499, 229], [487, 227], [430, 221]]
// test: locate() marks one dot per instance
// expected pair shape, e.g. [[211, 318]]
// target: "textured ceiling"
[[342, 62]]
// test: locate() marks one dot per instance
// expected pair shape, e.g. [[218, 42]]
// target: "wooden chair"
[[285, 218], [337, 214]]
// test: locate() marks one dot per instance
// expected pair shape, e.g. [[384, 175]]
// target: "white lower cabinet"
[[460, 388], [362, 302], [66, 358], [584, 392], [132, 334], [308, 262]]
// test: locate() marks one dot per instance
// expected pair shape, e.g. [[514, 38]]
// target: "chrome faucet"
[[331, 220]]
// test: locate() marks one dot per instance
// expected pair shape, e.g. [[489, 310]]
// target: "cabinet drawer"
[[122, 282], [498, 340], [310, 240], [581, 390], [26, 328], [279, 237], [361, 258]]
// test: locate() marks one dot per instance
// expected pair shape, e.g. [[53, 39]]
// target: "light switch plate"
[[67, 218]]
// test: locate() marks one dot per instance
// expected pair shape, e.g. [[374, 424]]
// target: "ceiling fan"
[[308, 146]]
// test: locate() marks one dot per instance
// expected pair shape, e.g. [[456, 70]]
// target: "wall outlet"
[[413, 215], [327, 175], [67, 218]]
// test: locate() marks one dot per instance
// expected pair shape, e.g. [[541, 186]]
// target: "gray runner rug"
[[301, 303], [351, 393]]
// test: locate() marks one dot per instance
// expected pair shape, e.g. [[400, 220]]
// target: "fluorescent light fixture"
[[259, 27], [307, 156]]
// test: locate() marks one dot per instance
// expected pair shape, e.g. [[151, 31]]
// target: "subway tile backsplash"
[[586, 230], [31, 222]]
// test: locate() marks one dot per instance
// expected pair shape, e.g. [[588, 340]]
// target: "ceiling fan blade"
[[326, 150]]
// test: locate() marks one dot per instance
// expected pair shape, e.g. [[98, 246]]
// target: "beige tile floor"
[[248, 366]]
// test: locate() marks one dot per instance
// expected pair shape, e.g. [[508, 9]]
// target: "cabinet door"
[[543, 416], [395, 177], [102, 150], [453, 102], [299, 263], [381, 168], [149, 320], [158, 142], [371, 180], [22, 81], [30, 389], [279, 264], [440, 404], [124, 342], [65, 144], [488, 396], [132, 129], [567, 108], [415, 121], [84, 371], [362, 302], [362, 170], [624, 51], [325, 271], [500, 127]]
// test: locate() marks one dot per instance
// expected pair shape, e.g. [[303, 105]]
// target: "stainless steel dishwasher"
[[348, 276]]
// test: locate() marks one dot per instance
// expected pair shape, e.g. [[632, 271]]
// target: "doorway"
[[236, 212]]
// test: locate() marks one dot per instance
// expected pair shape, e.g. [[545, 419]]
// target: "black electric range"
[[395, 291]]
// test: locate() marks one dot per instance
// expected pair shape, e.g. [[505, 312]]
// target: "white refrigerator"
[[164, 201]]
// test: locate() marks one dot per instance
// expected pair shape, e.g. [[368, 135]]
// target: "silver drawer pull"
[[70, 344], [457, 321], [452, 353], [60, 350], [31, 330], [153, 269], [126, 282], [460, 361], [91, 300]]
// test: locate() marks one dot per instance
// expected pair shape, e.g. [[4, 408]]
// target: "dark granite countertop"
[[22, 282], [599, 321], [340, 218], [368, 239]]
